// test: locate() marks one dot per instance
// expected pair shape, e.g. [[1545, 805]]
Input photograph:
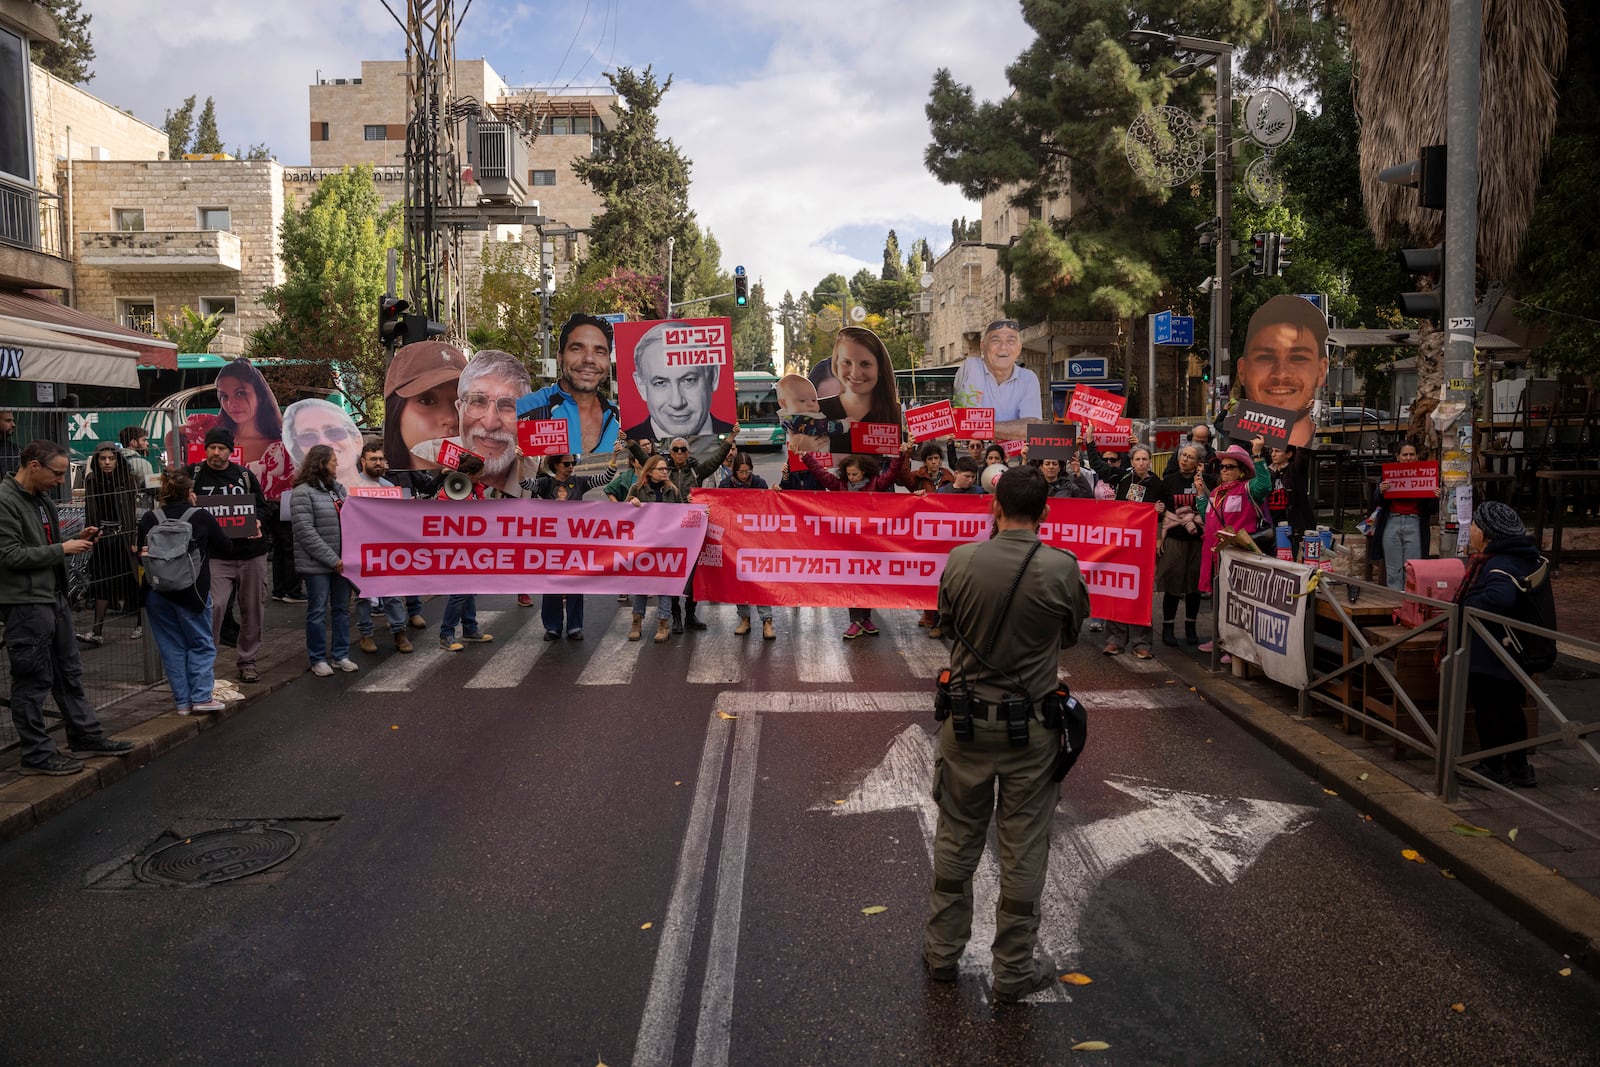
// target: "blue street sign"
[[739, 270], [1317, 299], [1088, 368], [1162, 325], [614, 317], [1173, 329]]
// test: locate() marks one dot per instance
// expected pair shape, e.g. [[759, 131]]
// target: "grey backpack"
[[174, 561]]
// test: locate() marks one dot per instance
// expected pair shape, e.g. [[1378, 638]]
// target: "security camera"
[[1207, 285]]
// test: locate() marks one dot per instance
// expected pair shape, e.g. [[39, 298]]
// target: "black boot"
[[690, 619], [1190, 637], [1167, 636], [677, 617]]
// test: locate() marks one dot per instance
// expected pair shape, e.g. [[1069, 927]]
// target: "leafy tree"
[[597, 288], [962, 230], [206, 138], [643, 182], [504, 307], [191, 331], [752, 331], [258, 152], [334, 259], [792, 319], [179, 128], [70, 59], [830, 290], [893, 268], [860, 282]]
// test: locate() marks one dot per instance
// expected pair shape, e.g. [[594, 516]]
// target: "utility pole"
[[1461, 257]]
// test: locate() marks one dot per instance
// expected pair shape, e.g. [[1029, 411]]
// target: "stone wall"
[[96, 130]]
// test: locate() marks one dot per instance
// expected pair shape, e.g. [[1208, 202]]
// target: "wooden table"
[[1373, 608], [1560, 480]]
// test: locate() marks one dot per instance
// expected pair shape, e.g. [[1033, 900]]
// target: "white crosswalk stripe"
[[924, 656], [718, 655], [818, 632], [400, 674], [615, 657], [508, 667]]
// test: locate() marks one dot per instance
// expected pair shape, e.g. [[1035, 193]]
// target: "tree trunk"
[[1430, 378]]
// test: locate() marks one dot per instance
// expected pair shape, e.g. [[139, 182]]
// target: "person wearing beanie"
[[1505, 573], [1401, 527], [239, 574], [219, 435]]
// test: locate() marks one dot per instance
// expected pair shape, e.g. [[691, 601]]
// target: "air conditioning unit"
[[501, 163]]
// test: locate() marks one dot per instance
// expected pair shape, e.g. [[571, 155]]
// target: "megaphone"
[[991, 475], [457, 486]]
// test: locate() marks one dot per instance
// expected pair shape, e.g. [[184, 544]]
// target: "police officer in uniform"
[[1012, 603]]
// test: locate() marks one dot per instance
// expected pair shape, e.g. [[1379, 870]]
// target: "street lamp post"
[[669, 277]]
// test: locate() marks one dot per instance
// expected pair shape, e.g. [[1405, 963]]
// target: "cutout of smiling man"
[[678, 398], [998, 380], [1285, 360]]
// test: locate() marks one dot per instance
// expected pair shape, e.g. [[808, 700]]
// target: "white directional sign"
[[1216, 837]]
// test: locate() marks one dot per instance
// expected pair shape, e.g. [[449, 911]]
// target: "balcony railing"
[[31, 219]]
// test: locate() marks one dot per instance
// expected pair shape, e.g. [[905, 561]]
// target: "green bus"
[[758, 410]]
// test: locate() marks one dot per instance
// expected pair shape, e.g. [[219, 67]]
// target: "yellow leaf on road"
[[874, 910], [1413, 855], [1076, 979], [1363, 777], [1330, 792], [725, 715], [1458, 1007], [1448, 873], [646, 926], [1512, 833], [841, 801], [1466, 829], [1090, 1046]]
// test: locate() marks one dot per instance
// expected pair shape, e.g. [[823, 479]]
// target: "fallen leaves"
[[1466, 829], [1565, 972], [1448, 873], [841, 802], [1330, 792], [1413, 855], [1076, 979], [678, 782], [1090, 1046], [725, 715], [1458, 1007], [396, 727], [876, 909], [1512, 833], [1362, 777], [646, 926]]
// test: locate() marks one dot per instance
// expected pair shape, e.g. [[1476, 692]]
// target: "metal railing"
[[31, 219]]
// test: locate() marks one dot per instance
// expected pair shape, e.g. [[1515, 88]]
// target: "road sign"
[[614, 317], [858, 314], [739, 271], [1319, 299], [1088, 368], [1173, 329]]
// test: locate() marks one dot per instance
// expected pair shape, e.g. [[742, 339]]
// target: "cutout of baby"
[[800, 413]]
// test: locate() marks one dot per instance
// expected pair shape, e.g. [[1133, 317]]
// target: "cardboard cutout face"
[[308, 423], [1285, 361]]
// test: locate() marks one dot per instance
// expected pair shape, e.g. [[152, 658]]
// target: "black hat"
[[219, 435]]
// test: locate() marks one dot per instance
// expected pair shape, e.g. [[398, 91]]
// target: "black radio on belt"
[[953, 701], [1016, 709]]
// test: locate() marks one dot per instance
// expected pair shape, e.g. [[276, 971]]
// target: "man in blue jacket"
[[583, 356]]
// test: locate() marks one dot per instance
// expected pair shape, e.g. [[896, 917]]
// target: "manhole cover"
[[218, 856]]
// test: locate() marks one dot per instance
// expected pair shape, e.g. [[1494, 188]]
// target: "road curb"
[[1563, 915], [35, 799]]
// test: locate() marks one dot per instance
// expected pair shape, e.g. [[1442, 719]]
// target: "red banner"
[[930, 420], [882, 550], [1096, 406], [1411, 481], [875, 438], [542, 437], [194, 451], [974, 424]]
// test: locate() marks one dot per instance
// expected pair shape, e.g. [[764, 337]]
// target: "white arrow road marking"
[[718, 657], [401, 674], [1217, 837]]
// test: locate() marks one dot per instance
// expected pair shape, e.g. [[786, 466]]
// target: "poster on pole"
[[675, 378]]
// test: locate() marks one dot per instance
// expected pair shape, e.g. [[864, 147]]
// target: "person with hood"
[[1505, 576], [111, 498]]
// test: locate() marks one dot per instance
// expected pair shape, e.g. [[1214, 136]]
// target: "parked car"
[[1351, 416]]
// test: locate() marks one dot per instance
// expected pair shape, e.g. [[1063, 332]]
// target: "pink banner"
[[881, 550], [417, 547], [930, 420]]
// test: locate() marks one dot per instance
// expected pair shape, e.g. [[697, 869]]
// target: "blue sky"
[[804, 121]]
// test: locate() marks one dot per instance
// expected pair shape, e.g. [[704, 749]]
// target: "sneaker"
[[402, 643], [524, 600], [99, 746], [869, 629], [742, 629], [137, 635], [767, 632], [368, 644], [1095, 626], [1207, 647], [574, 635], [479, 638], [852, 632], [347, 665], [418, 622], [54, 764], [692, 621], [292, 598], [92, 640], [1143, 653], [552, 635], [183, 709], [376, 611], [1112, 650], [321, 668], [248, 673], [208, 707], [450, 644], [624, 598]]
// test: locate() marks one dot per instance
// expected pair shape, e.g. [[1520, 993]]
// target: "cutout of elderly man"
[[487, 398], [1285, 361], [677, 397], [997, 379], [583, 351]]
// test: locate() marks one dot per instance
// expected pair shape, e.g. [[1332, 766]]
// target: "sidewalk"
[[1544, 875]]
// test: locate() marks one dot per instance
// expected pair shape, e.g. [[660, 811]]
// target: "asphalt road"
[[485, 836]]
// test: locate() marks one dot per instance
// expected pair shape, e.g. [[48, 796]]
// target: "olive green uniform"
[[1050, 605]]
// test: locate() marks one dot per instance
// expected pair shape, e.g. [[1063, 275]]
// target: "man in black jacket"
[[242, 574], [40, 644]]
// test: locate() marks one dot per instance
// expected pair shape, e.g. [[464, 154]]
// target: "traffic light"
[[1428, 262], [741, 287], [391, 325], [1282, 254], [420, 328], [1258, 252], [1425, 174]]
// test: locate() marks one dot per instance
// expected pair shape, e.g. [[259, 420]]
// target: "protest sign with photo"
[[1251, 420], [930, 421], [875, 438], [1411, 481], [1049, 440], [1284, 362], [234, 512], [675, 378], [403, 548], [974, 424], [888, 550], [542, 437], [1097, 407]]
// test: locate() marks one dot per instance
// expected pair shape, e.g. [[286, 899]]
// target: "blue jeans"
[[327, 595], [551, 606], [663, 606], [188, 652], [1402, 540], [462, 610], [413, 606], [394, 611], [763, 611]]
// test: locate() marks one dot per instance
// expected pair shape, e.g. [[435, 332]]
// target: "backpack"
[[1536, 605], [173, 562], [1437, 579]]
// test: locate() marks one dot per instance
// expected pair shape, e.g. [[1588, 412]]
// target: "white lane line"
[[735, 702], [718, 657], [400, 674], [1154, 697], [615, 657], [924, 656], [658, 1028], [715, 1029], [823, 660], [509, 666]]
